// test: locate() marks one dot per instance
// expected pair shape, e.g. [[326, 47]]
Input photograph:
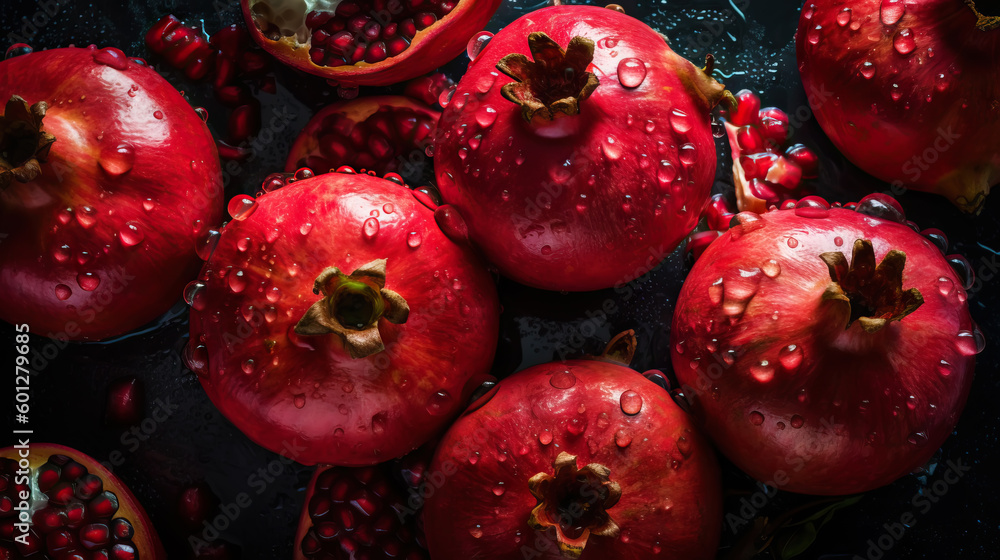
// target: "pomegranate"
[[108, 178], [814, 339], [364, 512], [593, 163], [906, 90], [382, 134], [366, 42], [336, 320], [766, 169], [56, 502], [578, 459]]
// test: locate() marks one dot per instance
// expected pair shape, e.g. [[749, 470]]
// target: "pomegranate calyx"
[[556, 82], [574, 502], [874, 295], [351, 307], [621, 348], [984, 22], [23, 143]]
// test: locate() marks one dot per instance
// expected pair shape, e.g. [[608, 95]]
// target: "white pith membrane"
[[289, 16]]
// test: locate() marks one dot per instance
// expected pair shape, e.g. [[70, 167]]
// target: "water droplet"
[[611, 147], [797, 421], [945, 285], [688, 154], [413, 239], [576, 426], [631, 72], [917, 438], [439, 403], [891, 11], [196, 358], [545, 437], [378, 423], [680, 121], [623, 439], [792, 242], [305, 228], [813, 35], [945, 368], [61, 253], [485, 82], [756, 418], [193, 294], [650, 127], [429, 150], [206, 246], [89, 281], [369, 229], [486, 116], [86, 216], [237, 281], [157, 115], [771, 268], [131, 235], [762, 371], [867, 70], [903, 42], [631, 402], [665, 174], [971, 343], [911, 402], [300, 401], [715, 292], [63, 292], [118, 160], [838, 241], [685, 446], [498, 490], [241, 206], [110, 56], [563, 379], [477, 43], [476, 532], [739, 288], [790, 357], [844, 17], [243, 245], [18, 49]]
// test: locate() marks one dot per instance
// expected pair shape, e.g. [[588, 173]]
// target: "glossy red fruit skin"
[[430, 48], [836, 415], [408, 130], [380, 402], [559, 213], [175, 173], [670, 501], [933, 123], [145, 537]]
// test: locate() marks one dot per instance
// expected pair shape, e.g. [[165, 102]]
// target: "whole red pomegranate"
[[826, 350], [336, 323], [56, 502], [366, 42], [383, 134], [107, 179], [579, 459], [593, 163], [907, 90]]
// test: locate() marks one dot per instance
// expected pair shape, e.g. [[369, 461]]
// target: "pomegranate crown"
[[23, 143]]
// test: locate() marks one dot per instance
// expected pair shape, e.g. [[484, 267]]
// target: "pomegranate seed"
[[805, 158], [225, 71], [390, 31], [61, 493], [375, 53], [121, 529], [785, 173], [319, 37], [327, 531], [234, 95], [424, 20], [372, 30], [407, 28], [747, 107], [104, 506], [199, 67], [76, 512], [341, 42], [72, 471], [88, 486], [154, 37], [357, 23], [123, 552], [317, 55], [358, 54], [335, 61], [317, 19], [396, 45], [59, 541], [755, 166], [347, 9], [749, 139], [95, 535], [230, 41], [310, 544], [447, 7], [251, 62], [244, 122], [763, 190], [48, 475]]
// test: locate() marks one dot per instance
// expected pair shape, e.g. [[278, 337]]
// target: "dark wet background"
[[753, 42]]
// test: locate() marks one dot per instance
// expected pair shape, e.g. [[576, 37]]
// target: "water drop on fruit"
[[63, 292], [206, 245], [477, 43], [86, 216], [476, 532], [131, 234], [299, 400], [944, 368], [110, 56], [796, 421], [945, 285], [790, 357], [756, 418], [563, 379], [117, 160], [18, 49], [378, 423], [241, 206], [762, 371], [688, 154], [631, 402], [369, 229], [576, 426], [439, 403], [305, 228], [771, 268], [631, 72], [680, 121], [867, 70], [485, 82], [971, 342], [891, 11], [792, 242], [623, 439], [61, 253], [498, 490], [196, 358], [844, 17], [917, 438], [611, 147], [903, 42], [88, 281], [237, 281], [545, 437], [157, 115], [813, 35], [192, 294], [486, 116]]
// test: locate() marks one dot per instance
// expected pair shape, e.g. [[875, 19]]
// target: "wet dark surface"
[[753, 42]]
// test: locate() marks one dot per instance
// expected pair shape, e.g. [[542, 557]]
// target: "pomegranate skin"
[[670, 503], [926, 119], [788, 393], [304, 395], [100, 243], [588, 200]]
